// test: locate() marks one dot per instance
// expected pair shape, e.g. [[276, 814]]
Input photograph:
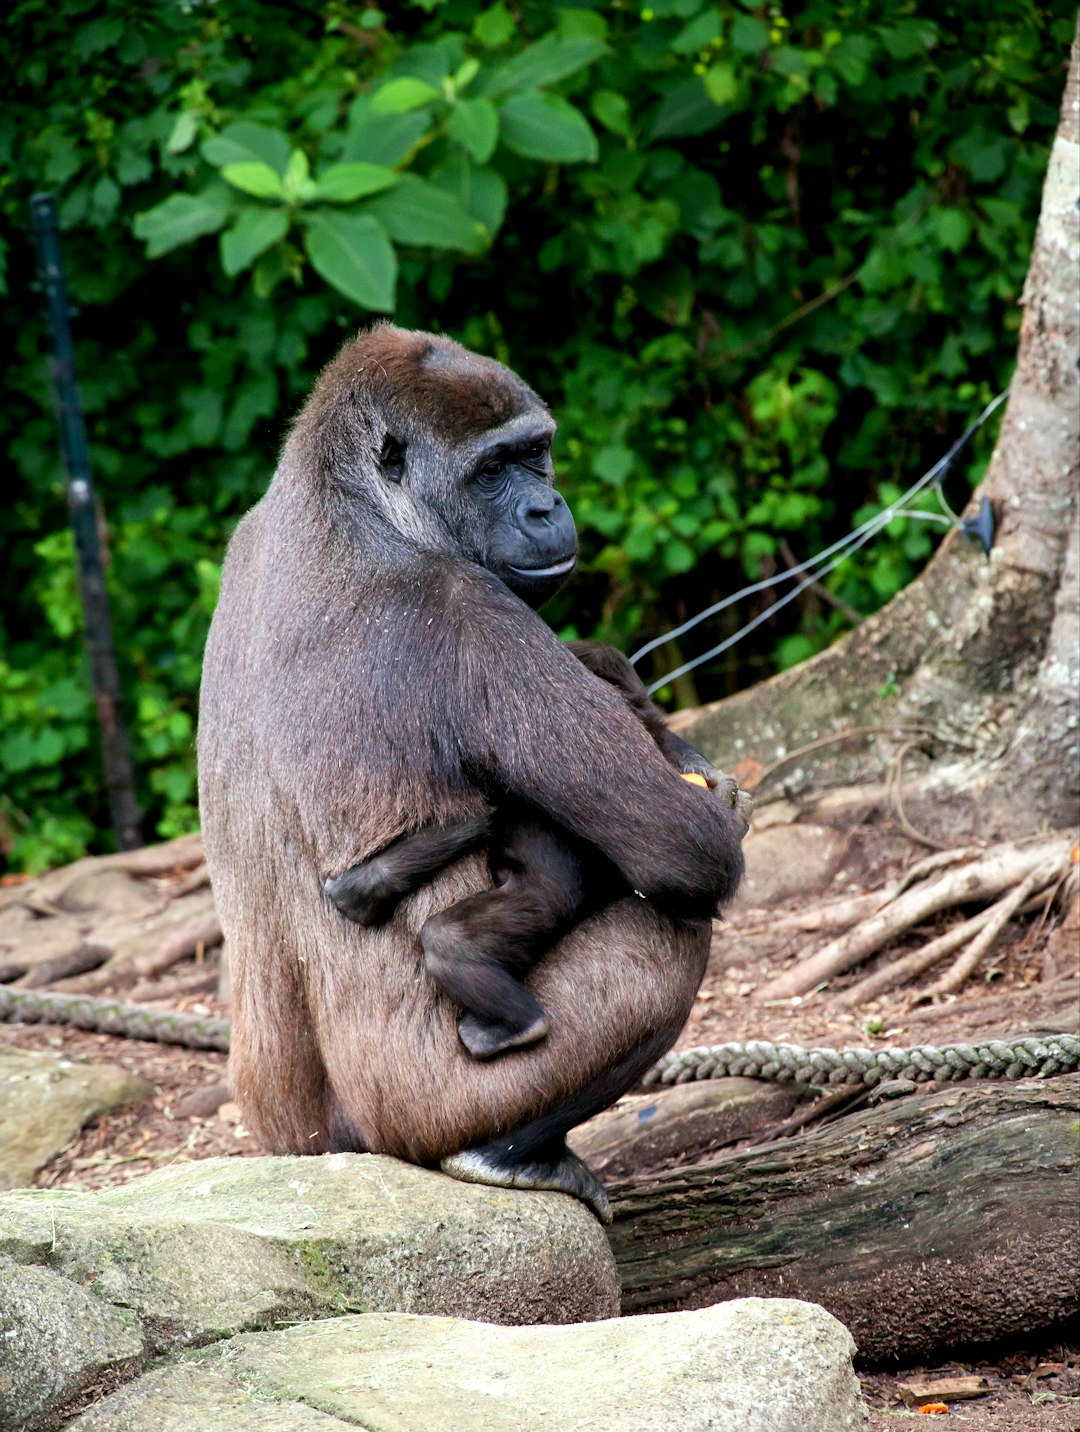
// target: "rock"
[[45, 1099], [784, 861], [55, 1339], [107, 892], [204, 1250], [752, 1365]]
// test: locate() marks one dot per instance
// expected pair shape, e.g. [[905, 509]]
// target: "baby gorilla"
[[545, 881]]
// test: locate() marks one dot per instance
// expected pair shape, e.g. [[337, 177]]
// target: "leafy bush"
[[763, 263]]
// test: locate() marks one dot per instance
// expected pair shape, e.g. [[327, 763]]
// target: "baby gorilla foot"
[[554, 1168], [484, 1038], [364, 894]]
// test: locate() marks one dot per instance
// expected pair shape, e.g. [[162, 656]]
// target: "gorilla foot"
[[556, 1169], [484, 1038]]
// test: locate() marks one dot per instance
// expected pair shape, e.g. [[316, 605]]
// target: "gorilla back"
[[372, 668]]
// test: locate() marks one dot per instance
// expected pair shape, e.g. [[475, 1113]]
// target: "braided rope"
[[107, 1016], [756, 1059], [784, 1063]]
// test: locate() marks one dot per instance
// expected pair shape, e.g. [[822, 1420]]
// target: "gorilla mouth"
[[557, 569]]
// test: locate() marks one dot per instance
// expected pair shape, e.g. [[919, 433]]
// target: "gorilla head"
[[464, 448]]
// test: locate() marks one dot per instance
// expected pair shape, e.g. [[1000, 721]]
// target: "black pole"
[[119, 776]]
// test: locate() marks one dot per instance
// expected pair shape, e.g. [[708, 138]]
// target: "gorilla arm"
[[533, 723]]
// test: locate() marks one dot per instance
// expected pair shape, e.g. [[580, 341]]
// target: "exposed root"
[[1011, 869], [1000, 915]]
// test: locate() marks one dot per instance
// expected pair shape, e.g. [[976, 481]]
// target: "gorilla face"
[[485, 472], [530, 540]]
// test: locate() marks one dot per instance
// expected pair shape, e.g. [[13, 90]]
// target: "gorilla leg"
[[535, 1155]]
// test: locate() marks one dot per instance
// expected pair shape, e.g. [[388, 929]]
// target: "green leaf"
[[705, 30], [474, 124], [613, 463], [952, 227], [183, 132], [494, 27], [179, 219], [749, 34], [256, 178], [401, 95], [418, 212], [721, 82], [545, 126], [612, 110], [549, 60], [344, 183], [678, 557], [254, 232], [352, 253], [481, 192], [686, 109], [247, 143], [297, 184], [386, 139]]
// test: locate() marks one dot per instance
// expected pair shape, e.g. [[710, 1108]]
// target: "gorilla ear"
[[392, 458]]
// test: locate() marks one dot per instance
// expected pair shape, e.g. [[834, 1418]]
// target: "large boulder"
[[202, 1251], [55, 1337], [751, 1365], [45, 1099]]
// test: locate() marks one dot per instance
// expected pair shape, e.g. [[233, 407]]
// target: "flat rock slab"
[[45, 1099], [199, 1252], [752, 1365]]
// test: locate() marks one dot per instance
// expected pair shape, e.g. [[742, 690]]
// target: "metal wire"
[[838, 550]]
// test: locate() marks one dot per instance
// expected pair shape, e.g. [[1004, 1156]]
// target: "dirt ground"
[[1031, 983]]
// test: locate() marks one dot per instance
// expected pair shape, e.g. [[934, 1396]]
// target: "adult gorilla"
[[372, 669]]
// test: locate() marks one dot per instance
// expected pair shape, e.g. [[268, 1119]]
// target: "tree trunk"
[[982, 655], [923, 1224]]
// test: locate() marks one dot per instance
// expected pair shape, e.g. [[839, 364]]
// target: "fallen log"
[[926, 1223]]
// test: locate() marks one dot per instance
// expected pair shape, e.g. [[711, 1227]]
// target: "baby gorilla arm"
[[614, 668]]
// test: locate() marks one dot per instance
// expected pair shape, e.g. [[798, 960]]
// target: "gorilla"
[[375, 668], [543, 883]]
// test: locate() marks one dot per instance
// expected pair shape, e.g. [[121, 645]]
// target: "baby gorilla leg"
[[370, 892], [478, 950]]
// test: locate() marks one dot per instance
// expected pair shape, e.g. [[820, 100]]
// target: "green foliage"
[[763, 263]]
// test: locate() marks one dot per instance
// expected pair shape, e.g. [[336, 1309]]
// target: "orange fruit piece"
[[694, 779]]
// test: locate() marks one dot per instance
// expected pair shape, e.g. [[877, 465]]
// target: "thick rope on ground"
[[107, 1016], [756, 1059], [786, 1063]]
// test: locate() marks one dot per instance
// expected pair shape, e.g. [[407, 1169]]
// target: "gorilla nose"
[[540, 505]]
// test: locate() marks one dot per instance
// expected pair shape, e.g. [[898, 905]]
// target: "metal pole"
[[119, 777]]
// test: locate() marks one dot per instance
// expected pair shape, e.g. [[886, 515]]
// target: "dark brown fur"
[[479, 950], [366, 677]]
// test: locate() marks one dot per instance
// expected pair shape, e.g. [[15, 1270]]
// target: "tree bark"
[[982, 655], [923, 1224]]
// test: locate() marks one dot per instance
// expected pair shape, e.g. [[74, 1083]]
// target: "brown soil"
[[1030, 982]]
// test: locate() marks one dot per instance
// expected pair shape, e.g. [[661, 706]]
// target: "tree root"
[[954, 878]]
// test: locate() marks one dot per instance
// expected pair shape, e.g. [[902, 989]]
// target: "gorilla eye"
[[392, 458], [534, 451], [495, 468]]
